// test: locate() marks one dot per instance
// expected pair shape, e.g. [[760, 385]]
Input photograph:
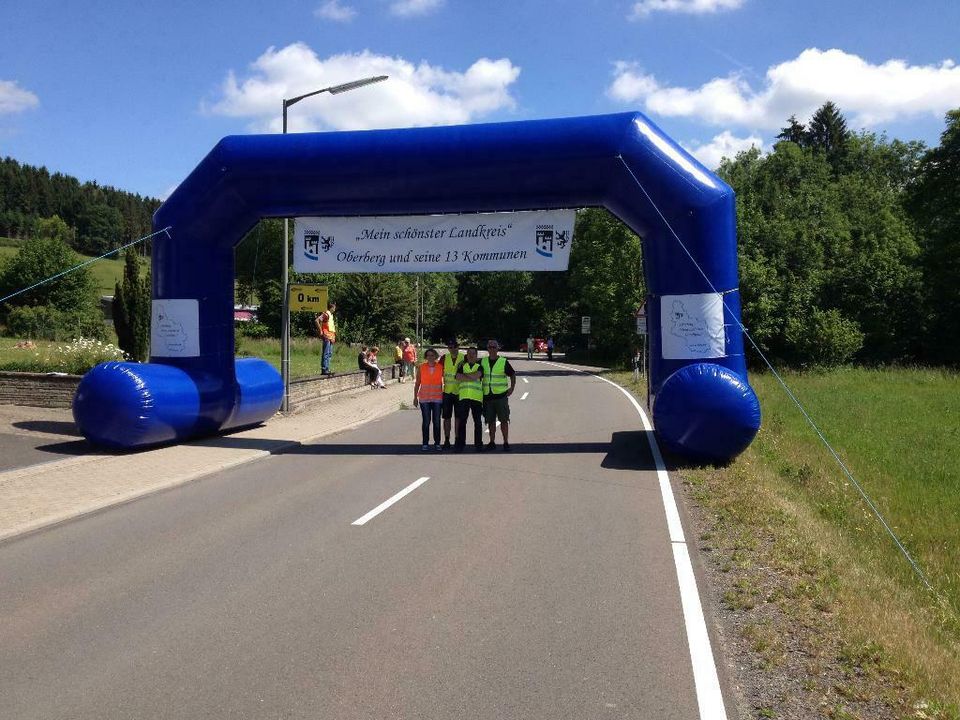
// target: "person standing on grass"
[[428, 395], [409, 358], [635, 363], [451, 363], [327, 329], [498, 374], [470, 401]]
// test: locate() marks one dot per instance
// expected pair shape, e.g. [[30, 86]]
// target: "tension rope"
[[165, 230], [810, 421]]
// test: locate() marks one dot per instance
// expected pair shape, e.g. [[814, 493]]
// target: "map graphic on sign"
[[175, 328], [692, 326]]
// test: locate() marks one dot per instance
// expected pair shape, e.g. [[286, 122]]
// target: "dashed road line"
[[524, 396], [387, 503]]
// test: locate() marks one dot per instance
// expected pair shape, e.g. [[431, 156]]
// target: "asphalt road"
[[536, 584]]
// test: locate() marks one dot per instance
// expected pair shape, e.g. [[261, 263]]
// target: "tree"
[[794, 132], [132, 308], [828, 133], [73, 296], [934, 202]]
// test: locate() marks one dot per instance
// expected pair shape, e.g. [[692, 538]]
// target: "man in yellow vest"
[[470, 401], [497, 375], [327, 329], [451, 363]]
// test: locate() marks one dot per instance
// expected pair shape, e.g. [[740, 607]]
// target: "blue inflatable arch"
[[703, 406]]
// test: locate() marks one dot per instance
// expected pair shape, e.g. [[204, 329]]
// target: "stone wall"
[[57, 390], [38, 389], [306, 392]]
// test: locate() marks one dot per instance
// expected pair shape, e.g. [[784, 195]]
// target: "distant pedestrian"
[[451, 363], [470, 401], [398, 356], [636, 363], [497, 375], [327, 330], [428, 395], [529, 348], [409, 351], [550, 348]]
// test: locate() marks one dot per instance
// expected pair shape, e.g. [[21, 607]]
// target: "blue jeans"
[[327, 354], [430, 411]]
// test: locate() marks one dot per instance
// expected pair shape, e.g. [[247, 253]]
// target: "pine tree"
[[131, 310], [828, 132], [795, 132]]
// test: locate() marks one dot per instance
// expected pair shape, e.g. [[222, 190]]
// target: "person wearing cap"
[[470, 394], [409, 351], [451, 363], [499, 379]]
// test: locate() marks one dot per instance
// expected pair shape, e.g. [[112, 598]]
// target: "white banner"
[[535, 240], [691, 326]]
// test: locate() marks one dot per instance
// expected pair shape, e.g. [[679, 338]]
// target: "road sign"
[[310, 298], [585, 325], [641, 316]]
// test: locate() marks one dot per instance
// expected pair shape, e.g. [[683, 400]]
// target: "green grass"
[[787, 528], [305, 355], [106, 273]]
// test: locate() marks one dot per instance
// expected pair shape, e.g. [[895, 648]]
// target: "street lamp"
[[285, 331]]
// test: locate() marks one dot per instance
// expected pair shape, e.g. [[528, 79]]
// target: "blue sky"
[[134, 94]]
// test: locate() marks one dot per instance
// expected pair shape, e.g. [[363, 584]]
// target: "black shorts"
[[449, 402]]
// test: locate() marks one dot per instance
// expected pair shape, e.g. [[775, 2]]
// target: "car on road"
[[539, 346]]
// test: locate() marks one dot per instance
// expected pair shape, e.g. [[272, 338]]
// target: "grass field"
[[106, 272], [305, 355], [794, 533]]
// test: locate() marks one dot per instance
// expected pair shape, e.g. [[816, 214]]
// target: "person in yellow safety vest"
[[470, 394], [497, 375], [451, 363], [428, 395], [327, 330]]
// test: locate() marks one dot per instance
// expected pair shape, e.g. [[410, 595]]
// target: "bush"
[[45, 322], [252, 330], [824, 338]]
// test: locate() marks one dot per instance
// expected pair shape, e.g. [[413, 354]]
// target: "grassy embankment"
[[305, 355], [106, 273], [794, 534]]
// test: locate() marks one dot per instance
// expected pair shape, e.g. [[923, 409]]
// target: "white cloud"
[[14, 99], [409, 8], [868, 94], [336, 11], [414, 95], [644, 8], [726, 144]]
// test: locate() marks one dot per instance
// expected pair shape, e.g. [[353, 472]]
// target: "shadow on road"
[[50, 427]]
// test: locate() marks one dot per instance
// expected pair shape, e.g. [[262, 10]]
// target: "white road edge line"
[[524, 396], [387, 503], [705, 678]]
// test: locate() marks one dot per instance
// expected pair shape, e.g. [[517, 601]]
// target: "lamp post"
[[285, 330]]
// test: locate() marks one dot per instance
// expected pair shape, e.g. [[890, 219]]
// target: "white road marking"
[[525, 380], [524, 396], [387, 503], [705, 678]]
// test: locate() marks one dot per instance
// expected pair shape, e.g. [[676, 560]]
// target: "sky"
[[133, 95]]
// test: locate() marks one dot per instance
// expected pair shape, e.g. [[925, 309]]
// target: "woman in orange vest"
[[428, 396]]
